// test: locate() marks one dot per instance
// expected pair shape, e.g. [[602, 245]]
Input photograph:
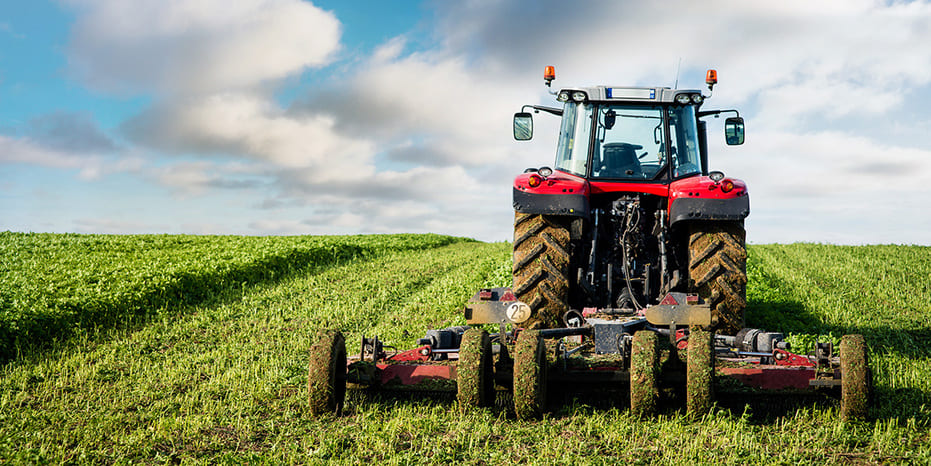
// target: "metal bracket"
[[372, 348], [823, 353], [491, 305], [678, 308]]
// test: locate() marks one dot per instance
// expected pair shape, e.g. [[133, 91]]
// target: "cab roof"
[[662, 95]]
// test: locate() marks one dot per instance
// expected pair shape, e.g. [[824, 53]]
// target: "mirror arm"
[[716, 112], [538, 108]]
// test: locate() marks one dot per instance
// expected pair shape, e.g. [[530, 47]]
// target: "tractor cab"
[[644, 135]]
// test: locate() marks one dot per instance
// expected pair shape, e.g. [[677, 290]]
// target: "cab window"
[[629, 143], [572, 148]]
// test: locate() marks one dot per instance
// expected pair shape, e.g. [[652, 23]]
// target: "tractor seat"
[[620, 161]]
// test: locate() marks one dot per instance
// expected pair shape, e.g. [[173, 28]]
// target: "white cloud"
[[390, 148], [88, 165], [183, 46], [446, 111], [190, 178], [821, 90], [70, 132], [15, 150], [253, 126], [835, 187], [428, 107], [420, 140], [872, 48]]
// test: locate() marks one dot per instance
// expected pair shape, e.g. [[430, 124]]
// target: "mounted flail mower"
[[629, 275]]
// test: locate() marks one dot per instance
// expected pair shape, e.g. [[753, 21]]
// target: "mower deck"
[[642, 353]]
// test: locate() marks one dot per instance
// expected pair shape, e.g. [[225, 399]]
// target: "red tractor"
[[631, 210], [629, 275]]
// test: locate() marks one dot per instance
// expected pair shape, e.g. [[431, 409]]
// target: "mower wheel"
[[644, 374], [699, 386], [856, 382], [541, 267], [718, 271], [326, 377], [529, 375], [475, 382]]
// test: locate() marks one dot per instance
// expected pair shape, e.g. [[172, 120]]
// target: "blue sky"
[[334, 117]]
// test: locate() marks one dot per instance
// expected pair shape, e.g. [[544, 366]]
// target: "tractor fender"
[[557, 194], [700, 198]]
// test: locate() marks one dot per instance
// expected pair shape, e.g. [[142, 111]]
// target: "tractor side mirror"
[[523, 126], [734, 131]]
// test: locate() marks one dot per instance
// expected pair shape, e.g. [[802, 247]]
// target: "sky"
[[281, 117]]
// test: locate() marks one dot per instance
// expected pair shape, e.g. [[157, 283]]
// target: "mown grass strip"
[[53, 286]]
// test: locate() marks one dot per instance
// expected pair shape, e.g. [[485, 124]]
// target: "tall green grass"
[[816, 291], [222, 380], [53, 286]]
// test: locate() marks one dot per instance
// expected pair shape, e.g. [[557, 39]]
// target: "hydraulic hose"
[[629, 225]]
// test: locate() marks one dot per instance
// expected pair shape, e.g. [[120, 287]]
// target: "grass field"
[[166, 349]]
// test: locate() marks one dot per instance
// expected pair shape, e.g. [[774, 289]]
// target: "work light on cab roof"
[[711, 78], [549, 74]]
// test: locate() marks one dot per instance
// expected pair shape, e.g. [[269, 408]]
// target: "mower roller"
[[629, 276]]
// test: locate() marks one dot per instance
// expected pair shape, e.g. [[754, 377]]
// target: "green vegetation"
[[155, 349], [814, 292], [54, 286]]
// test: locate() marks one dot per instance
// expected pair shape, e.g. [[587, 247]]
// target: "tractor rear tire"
[[856, 382], [644, 374], [718, 271], [475, 382], [541, 267], [326, 375], [529, 375], [699, 385]]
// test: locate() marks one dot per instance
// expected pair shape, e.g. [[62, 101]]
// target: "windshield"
[[629, 143], [572, 149]]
